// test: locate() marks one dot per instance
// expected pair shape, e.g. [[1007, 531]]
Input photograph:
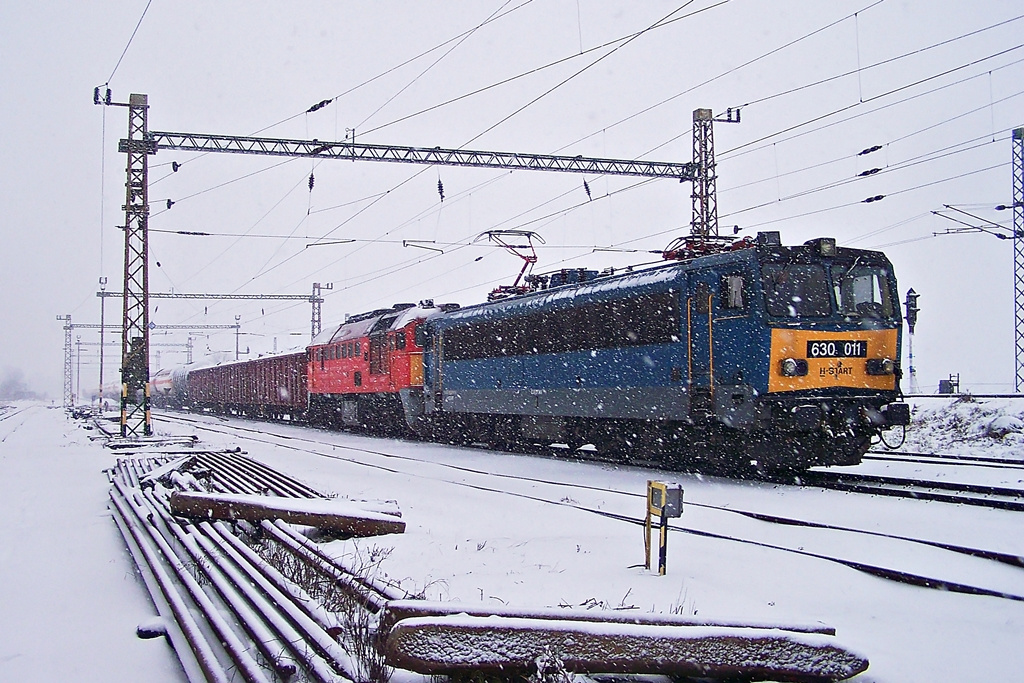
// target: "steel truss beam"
[[246, 297], [96, 326], [198, 142]]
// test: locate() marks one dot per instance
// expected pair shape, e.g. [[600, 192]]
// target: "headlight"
[[881, 366], [794, 367]]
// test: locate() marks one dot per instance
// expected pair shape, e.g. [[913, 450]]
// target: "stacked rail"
[[230, 613]]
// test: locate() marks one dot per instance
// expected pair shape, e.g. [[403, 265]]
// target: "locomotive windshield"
[[806, 290], [862, 290], [796, 290]]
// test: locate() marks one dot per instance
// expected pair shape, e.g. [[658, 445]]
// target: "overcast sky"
[[937, 85]]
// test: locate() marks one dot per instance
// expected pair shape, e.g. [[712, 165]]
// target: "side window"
[[357, 378], [702, 296], [400, 340], [420, 336], [733, 293], [358, 346]]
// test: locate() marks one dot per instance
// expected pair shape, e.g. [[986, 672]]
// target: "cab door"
[[702, 292]]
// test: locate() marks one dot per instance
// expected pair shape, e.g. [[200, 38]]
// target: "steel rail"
[[312, 609], [385, 590], [203, 652], [938, 491], [206, 548], [237, 651], [255, 623], [330, 663], [259, 473], [368, 599], [944, 459]]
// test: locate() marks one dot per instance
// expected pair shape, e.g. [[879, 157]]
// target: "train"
[[760, 357]]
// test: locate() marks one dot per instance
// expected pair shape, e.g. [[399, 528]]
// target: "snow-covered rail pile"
[[251, 600]]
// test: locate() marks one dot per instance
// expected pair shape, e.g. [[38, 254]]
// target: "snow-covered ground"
[[69, 597], [968, 426], [528, 531]]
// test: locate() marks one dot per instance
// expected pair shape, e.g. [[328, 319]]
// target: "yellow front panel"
[[416, 369], [830, 372]]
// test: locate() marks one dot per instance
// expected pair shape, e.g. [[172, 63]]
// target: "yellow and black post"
[[664, 500]]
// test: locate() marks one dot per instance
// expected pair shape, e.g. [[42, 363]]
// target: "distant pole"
[[78, 366], [103, 300], [238, 333]]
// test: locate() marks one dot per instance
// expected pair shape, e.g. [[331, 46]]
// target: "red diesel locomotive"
[[366, 372]]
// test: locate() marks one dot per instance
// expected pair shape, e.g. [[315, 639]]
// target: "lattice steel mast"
[[316, 299], [704, 237], [1018, 254], [67, 359], [136, 419]]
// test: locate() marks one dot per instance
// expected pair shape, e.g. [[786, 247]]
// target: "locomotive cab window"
[[796, 290], [420, 336], [733, 292], [400, 340], [863, 291]]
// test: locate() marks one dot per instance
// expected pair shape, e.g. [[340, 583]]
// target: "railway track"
[[995, 497], [943, 459], [394, 460]]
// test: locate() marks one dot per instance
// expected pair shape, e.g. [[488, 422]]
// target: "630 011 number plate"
[[837, 348]]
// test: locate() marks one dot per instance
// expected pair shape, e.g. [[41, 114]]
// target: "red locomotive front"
[[368, 371]]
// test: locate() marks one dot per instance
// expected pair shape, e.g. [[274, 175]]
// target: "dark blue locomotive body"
[[771, 356]]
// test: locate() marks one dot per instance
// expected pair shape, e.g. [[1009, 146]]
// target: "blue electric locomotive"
[[764, 357]]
